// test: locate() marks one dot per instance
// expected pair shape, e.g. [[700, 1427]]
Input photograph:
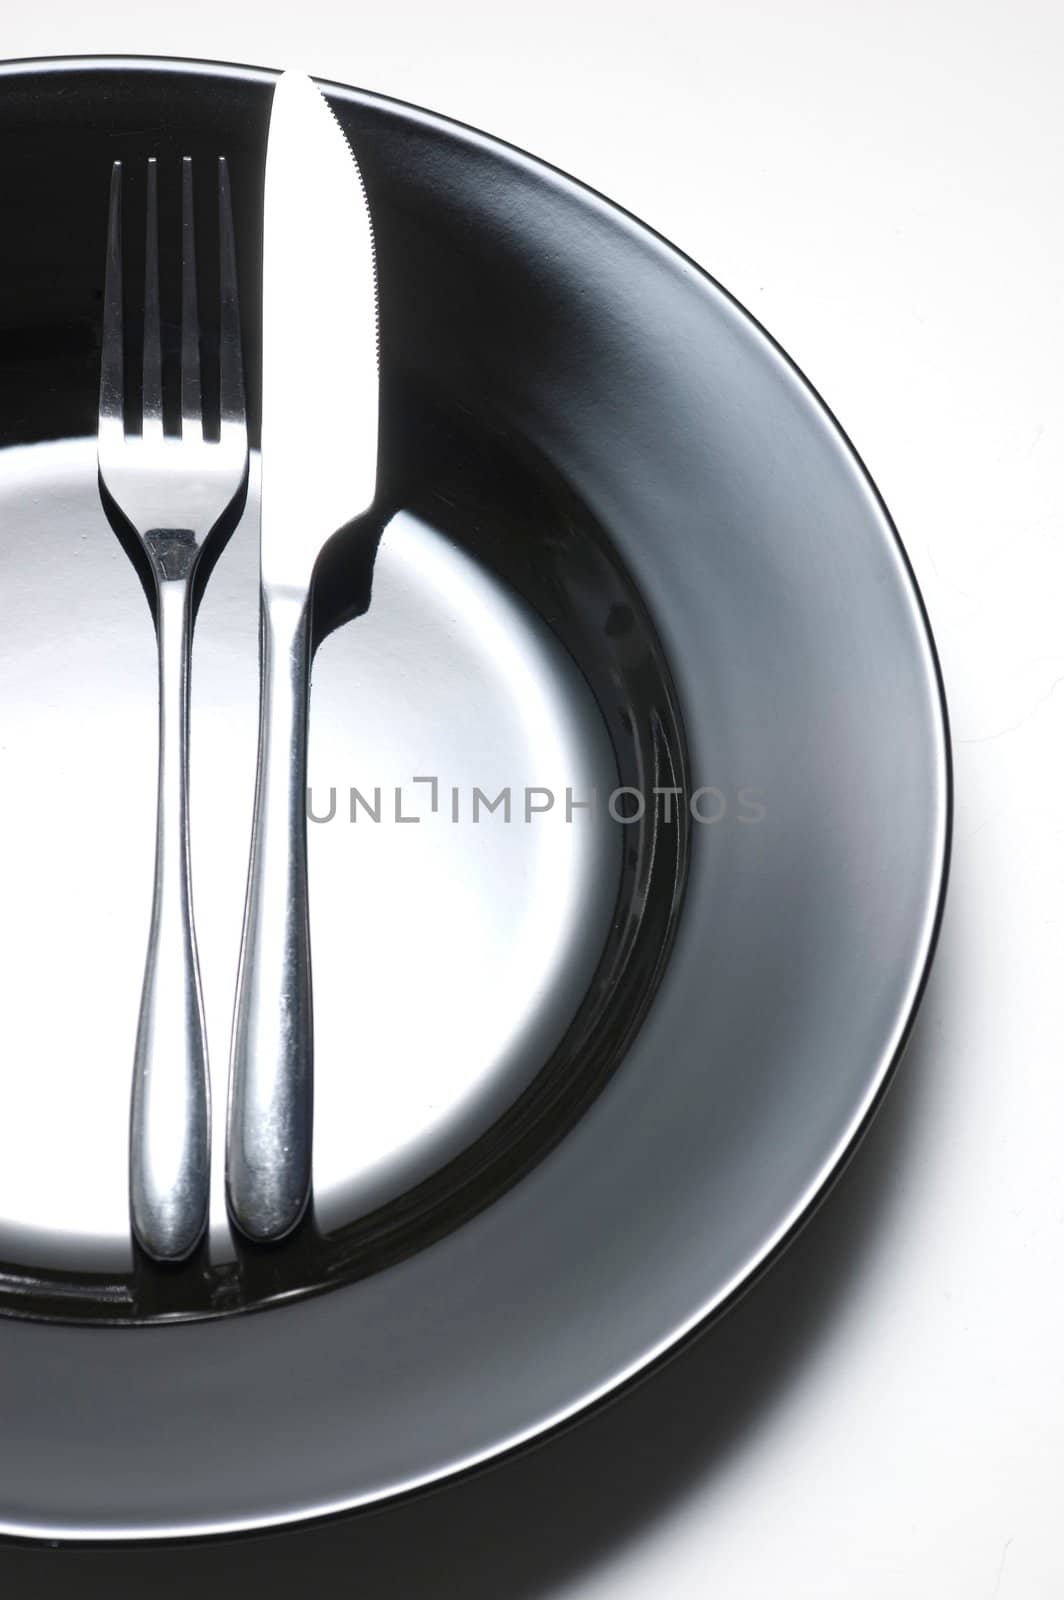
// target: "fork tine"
[[231, 365], [152, 402], [111, 353], [191, 396]]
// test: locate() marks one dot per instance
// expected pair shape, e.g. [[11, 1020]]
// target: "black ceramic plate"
[[580, 1076]]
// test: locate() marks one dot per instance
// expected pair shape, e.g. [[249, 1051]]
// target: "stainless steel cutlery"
[[319, 473], [173, 490]]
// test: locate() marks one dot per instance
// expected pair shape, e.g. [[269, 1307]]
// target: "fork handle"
[[268, 1156], [170, 1112]]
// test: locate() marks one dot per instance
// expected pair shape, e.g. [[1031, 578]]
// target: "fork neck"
[[173, 552], [173, 615]]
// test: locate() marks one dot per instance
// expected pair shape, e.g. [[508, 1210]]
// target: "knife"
[[318, 473]]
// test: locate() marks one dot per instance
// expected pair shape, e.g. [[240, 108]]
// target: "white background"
[[881, 184]]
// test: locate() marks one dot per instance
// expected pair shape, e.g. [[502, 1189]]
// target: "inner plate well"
[[450, 952]]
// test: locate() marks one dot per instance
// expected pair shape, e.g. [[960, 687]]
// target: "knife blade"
[[318, 474]]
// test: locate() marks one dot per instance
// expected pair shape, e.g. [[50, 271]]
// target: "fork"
[[173, 491]]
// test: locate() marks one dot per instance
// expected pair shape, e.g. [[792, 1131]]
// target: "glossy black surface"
[[705, 513]]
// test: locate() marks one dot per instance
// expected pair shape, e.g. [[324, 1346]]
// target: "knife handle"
[[268, 1149]]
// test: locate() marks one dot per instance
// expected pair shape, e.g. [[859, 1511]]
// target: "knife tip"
[[292, 83]]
